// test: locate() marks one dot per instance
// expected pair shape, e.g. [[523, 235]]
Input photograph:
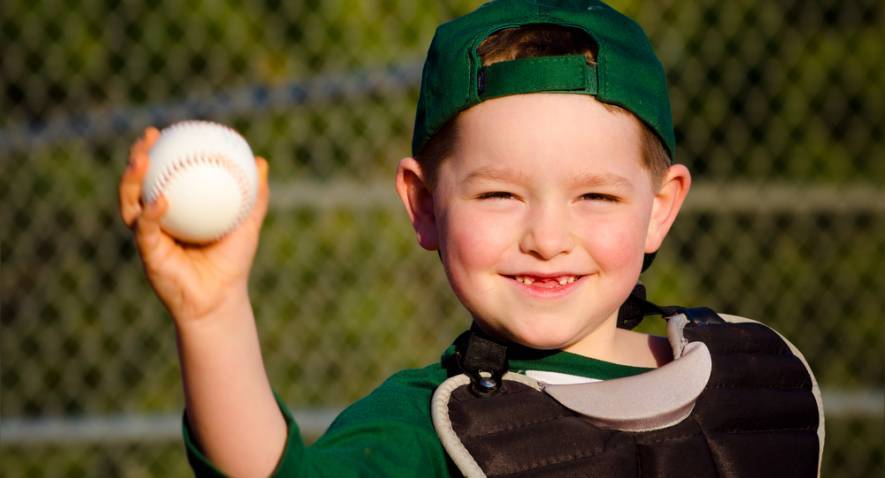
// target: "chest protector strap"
[[738, 400]]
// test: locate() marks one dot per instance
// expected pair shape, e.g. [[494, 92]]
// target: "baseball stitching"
[[198, 158]]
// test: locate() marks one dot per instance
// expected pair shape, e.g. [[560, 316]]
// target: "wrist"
[[234, 307]]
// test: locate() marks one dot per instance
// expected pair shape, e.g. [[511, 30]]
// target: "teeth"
[[562, 280]]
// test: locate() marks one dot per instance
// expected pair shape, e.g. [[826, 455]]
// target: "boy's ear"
[[417, 197], [666, 205]]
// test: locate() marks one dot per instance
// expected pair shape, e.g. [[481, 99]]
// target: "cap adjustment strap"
[[535, 74]]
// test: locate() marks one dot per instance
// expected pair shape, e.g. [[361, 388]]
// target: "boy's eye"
[[599, 197], [495, 195]]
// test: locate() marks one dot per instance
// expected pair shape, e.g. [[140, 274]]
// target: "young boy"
[[542, 175]]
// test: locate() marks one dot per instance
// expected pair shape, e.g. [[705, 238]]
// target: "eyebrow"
[[497, 174], [604, 179], [580, 180]]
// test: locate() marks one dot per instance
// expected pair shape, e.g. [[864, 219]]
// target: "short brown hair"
[[534, 41]]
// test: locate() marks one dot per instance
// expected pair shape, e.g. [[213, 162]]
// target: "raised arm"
[[230, 405]]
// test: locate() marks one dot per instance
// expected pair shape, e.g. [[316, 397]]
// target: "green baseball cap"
[[627, 73]]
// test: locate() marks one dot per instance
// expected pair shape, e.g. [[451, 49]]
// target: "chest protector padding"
[[757, 416]]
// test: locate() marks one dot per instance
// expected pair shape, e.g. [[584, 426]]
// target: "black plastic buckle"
[[484, 361]]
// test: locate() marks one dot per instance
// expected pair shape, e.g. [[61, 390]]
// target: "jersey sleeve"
[[388, 433]]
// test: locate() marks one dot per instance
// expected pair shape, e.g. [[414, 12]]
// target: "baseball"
[[207, 173]]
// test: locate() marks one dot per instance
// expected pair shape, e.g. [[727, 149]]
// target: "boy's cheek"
[[478, 229], [613, 245], [473, 246]]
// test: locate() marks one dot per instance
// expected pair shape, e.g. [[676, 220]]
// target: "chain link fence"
[[779, 114]]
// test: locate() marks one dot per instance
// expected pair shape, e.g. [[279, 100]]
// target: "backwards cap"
[[627, 72]]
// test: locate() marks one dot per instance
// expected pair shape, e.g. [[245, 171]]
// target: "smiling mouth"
[[553, 282]]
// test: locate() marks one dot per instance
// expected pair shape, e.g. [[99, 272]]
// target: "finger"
[[134, 150], [151, 134], [130, 184], [130, 194], [148, 234], [131, 181], [144, 143], [259, 210]]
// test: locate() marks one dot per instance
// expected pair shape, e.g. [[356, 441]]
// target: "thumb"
[[262, 198]]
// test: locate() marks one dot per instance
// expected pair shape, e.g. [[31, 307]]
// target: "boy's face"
[[542, 214]]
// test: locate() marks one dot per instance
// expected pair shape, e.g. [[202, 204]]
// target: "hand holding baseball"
[[192, 280]]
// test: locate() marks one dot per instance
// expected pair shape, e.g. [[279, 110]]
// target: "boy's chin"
[[542, 343], [534, 338]]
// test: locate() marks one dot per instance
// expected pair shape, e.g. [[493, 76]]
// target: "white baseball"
[[207, 173]]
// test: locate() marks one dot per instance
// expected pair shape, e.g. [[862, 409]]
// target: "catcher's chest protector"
[[737, 401]]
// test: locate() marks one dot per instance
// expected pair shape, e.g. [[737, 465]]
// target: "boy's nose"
[[547, 234]]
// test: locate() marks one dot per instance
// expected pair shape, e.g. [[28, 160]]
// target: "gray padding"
[[627, 404]]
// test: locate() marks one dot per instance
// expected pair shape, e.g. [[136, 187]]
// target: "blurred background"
[[779, 114]]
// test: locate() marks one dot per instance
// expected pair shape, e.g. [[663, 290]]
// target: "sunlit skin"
[[541, 215]]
